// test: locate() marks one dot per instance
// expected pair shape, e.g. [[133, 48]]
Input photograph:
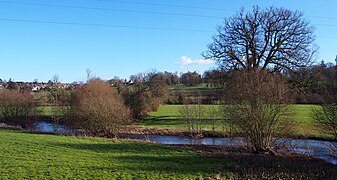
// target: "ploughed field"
[[37, 156]]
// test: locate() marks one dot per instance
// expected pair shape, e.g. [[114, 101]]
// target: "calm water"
[[48, 127], [316, 148]]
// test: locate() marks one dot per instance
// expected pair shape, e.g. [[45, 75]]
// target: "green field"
[[26, 156], [37, 156], [203, 91], [168, 116], [51, 111]]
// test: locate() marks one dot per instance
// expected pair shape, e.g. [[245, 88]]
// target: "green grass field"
[[201, 90], [35, 156], [168, 116], [51, 110]]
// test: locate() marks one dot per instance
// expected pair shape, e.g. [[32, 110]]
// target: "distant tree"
[[57, 94], [215, 78], [175, 78], [55, 79], [146, 93], [314, 84], [12, 85], [25, 88], [89, 74], [306, 85], [271, 38], [191, 78], [59, 99], [115, 81], [169, 78], [17, 108], [98, 109]]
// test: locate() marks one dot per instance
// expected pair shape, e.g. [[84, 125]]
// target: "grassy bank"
[[35, 156], [168, 116], [25, 155]]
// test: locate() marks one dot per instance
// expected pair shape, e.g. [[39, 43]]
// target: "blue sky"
[[43, 38]]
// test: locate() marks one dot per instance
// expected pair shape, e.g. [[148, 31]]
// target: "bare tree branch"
[[273, 38]]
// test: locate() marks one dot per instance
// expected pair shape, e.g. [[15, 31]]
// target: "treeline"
[[310, 85], [212, 77], [313, 85]]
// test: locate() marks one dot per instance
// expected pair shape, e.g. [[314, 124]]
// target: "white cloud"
[[185, 61]]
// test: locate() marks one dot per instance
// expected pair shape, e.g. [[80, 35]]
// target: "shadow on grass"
[[298, 167], [161, 120], [117, 147], [153, 158], [182, 164], [170, 120]]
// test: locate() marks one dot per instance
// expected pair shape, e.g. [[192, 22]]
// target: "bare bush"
[[17, 108], [326, 119], [98, 109], [257, 106], [59, 99], [213, 115], [194, 117]]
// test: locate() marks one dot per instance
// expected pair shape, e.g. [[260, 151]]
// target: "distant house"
[[36, 89]]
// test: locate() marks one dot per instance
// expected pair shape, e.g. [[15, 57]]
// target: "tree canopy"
[[271, 38]]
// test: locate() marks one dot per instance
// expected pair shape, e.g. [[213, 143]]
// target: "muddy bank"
[[181, 132], [9, 127], [264, 166], [172, 132]]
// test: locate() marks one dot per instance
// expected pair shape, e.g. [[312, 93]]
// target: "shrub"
[[145, 94], [98, 109], [257, 106], [17, 108], [59, 99], [194, 117], [326, 119]]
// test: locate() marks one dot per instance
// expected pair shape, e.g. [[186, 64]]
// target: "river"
[[316, 148]]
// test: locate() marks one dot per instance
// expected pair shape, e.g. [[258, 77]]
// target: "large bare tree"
[[256, 46], [271, 38]]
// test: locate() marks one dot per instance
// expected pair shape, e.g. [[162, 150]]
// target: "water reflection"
[[48, 127], [316, 148]]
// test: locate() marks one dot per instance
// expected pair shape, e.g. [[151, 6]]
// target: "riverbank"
[[320, 149], [39, 156], [137, 130], [263, 166]]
